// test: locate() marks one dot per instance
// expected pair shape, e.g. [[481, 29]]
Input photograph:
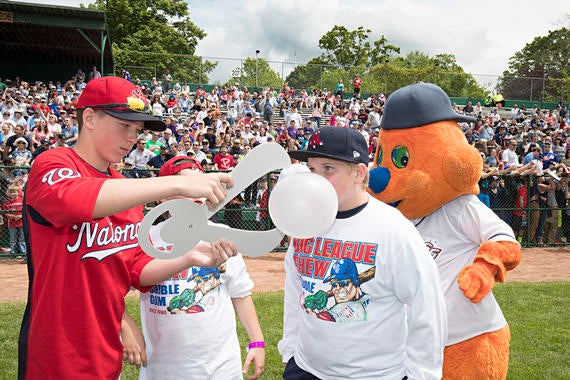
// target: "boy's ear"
[[361, 171], [88, 117]]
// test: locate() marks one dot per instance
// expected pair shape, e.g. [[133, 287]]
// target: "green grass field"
[[538, 314]]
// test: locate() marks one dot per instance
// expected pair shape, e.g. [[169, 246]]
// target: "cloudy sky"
[[481, 34]]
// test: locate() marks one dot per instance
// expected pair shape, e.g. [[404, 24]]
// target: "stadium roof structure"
[[47, 42]]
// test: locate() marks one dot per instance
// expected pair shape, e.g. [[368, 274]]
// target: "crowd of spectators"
[[219, 127], [526, 156]]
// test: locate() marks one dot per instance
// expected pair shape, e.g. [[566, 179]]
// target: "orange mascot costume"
[[426, 169]]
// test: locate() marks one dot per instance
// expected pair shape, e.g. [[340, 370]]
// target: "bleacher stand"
[[233, 116]]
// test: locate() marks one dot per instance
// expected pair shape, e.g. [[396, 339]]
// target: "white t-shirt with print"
[[396, 325], [201, 343]]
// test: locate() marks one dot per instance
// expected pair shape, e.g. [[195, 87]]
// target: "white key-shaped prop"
[[188, 222]]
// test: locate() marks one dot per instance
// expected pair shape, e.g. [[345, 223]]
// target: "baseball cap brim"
[[303, 155], [464, 118], [154, 123]]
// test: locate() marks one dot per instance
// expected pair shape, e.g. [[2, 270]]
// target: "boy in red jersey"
[[80, 222], [13, 219]]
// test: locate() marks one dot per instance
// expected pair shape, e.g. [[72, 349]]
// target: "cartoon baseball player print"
[[185, 299], [207, 281], [350, 301]]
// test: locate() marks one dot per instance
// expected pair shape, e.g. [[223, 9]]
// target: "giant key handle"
[[188, 222]]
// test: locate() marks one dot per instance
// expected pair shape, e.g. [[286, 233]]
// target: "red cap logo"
[[316, 140]]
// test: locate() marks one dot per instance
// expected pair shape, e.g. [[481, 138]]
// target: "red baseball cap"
[[121, 99], [177, 164]]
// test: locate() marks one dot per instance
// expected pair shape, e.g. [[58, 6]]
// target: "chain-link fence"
[[536, 208], [256, 71], [12, 179], [245, 211]]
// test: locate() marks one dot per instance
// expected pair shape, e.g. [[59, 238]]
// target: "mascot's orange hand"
[[477, 280], [493, 260]]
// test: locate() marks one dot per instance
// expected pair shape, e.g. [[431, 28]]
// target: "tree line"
[[160, 34]]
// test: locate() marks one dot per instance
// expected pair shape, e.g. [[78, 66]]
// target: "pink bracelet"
[[260, 344]]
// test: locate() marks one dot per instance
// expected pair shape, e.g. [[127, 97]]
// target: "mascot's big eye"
[[379, 160], [400, 156]]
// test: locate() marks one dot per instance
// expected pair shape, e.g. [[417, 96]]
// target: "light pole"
[[530, 89], [435, 66], [385, 77], [543, 86], [256, 66]]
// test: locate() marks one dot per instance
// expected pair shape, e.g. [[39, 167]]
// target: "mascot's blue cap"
[[419, 104], [344, 269]]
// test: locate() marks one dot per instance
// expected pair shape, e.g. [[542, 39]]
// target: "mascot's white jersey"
[[453, 234]]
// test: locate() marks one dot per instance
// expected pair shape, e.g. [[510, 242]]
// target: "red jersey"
[[9, 217], [521, 193], [263, 204], [80, 270], [224, 162]]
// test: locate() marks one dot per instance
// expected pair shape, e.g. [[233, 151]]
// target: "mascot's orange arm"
[[491, 264], [505, 255]]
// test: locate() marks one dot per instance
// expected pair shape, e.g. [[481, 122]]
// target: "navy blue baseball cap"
[[339, 143], [203, 272], [419, 104]]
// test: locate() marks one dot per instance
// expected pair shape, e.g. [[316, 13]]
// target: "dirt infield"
[[538, 264]]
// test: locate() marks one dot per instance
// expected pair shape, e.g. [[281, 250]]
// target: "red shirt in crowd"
[[14, 218], [521, 193], [357, 82], [263, 204], [224, 161]]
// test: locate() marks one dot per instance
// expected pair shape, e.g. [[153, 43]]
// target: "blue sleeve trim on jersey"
[[26, 320], [494, 236], [421, 220], [37, 217]]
